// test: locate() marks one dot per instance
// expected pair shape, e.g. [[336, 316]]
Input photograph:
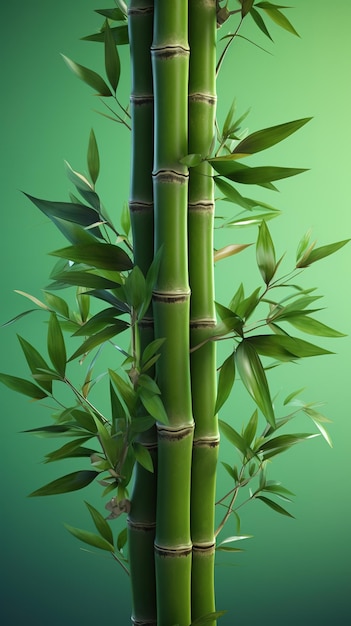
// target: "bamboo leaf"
[[93, 157], [233, 436], [56, 345], [246, 6], [101, 524], [260, 23], [97, 322], [86, 279], [268, 137], [317, 254], [125, 219], [57, 304], [292, 395], [283, 347], [251, 220], [154, 405], [112, 14], [277, 16], [254, 378], [225, 381], [21, 385], [119, 33], [65, 484], [35, 362], [312, 326], [112, 62], [229, 250], [143, 456], [105, 256], [261, 175], [191, 160], [151, 349], [90, 77], [265, 253], [251, 428], [70, 450], [273, 505], [96, 340], [69, 212], [205, 619], [90, 538], [124, 389]]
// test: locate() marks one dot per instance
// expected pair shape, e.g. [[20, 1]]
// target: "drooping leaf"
[[56, 345], [35, 362], [246, 6], [98, 338], [119, 33], [100, 255], [154, 405], [260, 23], [273, 505], [283, 347], [261, 175], [250, 220], [93, 157], [112, 62], [225, 381], [254, 378], [251, 428], [233, 436], [312, 326], [151, 349], [71, 449], [125, 390], [143, 456], [293, 395], [112, 14], [85, 279], [21, 385], [268, 137], [90, 538], [90, 77], [65, 484], [277, 16], [97, 322], [229, 250], [265, 253], [102, 526], [57, 304]]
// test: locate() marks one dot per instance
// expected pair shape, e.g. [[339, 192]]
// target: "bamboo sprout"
[[142, 516], [170, 59], [202, 102]]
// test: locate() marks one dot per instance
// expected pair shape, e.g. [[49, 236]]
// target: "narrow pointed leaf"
[[68, 211], [96, 340], [313, 327], [56, 345], [112, 14], [320, 253], [230, 250], [93, 157], [210, 617], [119, 33], [90, 77], [102, 526], [277, 16], [90, 538], [154, 405], [260, 22], [143, 456], [268, 137], [23, 386], [265, 253], [254, 378], [283, 347], [262, 175], [112, 62], [233, 436], [35, 362], [251, 428], [71, 449], [65, 484], [225, 381], [273, 505], [100, 255], [57, 304]]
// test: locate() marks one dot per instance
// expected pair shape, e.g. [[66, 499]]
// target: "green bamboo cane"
[[142, 516], [170, 59], [202, 104]]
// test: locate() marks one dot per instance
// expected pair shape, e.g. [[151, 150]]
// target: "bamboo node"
[[140, 100], [174, 433], [179, 551], [203, 323], [207, 442], [206, 98], [138, 622], [170, 176], [169, 52], [171, 297], [144, 527], [205, 547], [203, 207]]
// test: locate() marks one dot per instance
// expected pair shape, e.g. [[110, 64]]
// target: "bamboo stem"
[[142, 516], [202, 102], [170, 60]]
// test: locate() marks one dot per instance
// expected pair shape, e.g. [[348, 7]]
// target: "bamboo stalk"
[[142, 516], [170, 58], [202, 102]]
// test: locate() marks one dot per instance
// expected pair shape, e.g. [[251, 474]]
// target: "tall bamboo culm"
[[202, 109], [173, 549], [142, 516]]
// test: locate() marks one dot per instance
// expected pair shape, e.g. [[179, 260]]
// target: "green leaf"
[[260, 23], [90, 77], [154, 405], [96, 340], [57, 304], [105, 256], [151, 349], [112, 62], [191, 160], [277, 16], [284, 348], [102, 526], [35, 362], [71, 449], [125, 219], [65, 484], [251, 428], [93, 157], [125, 390], [312, 326], [23, 386], [143, 456], [112, 14], [97, 322], [90, 538], [122, 539], [262, 175], [233, 436], [268, 137], [56, 345], [273, 505], [265, 253], [134, 288], [205, 619], [254, 378], [320, 253], [119, 33], [229, 250], [293, 395], [225, 381], [251, 220]]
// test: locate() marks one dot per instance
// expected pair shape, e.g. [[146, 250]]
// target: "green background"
[[293, 571]]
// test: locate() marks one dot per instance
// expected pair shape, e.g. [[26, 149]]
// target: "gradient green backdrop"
[[293, 572]]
